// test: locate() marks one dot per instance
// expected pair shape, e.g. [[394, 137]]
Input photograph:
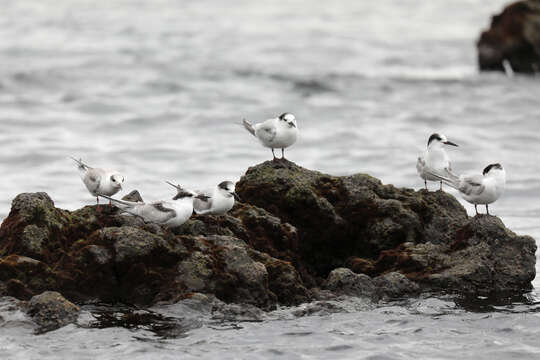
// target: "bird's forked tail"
[[123, 203], [248, 126], [183, 193], [449, 178], [80, 165]]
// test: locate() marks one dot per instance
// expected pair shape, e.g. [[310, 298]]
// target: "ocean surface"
[[157, 89]]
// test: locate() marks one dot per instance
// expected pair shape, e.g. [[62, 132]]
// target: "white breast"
[[285, 136]]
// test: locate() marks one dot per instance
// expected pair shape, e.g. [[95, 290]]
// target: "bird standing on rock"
[[276, 133], [479, 189], [434, 160], [100, 181]]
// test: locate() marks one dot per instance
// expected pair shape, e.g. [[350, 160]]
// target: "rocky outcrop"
[[348, 220], [374, 229], [297, 231], [89, 254], [513, 36]]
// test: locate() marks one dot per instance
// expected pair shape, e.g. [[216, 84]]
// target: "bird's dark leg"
[[282, 153], [425, 182], [274, 155], [487, 209], [97, 200], [441, 185], [475, 209]]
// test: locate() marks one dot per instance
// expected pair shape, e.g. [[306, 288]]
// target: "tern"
[[479, 189], [434, 159], [99, 181], [170, 213], [217, 202], [276, 133]]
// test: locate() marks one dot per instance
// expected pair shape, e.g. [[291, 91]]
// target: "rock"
[[234, 312], [395, 285], [514, 36], [343, 281], [242, 279], [283, 279], [131, 243], [321, 308], [338, 218], [36, 208], [33, 239], [341, 304], [196, 272], [484, 258], [32, 220], [100, 254], [297, 231], [257, 227], [50, 310], [25, 276]]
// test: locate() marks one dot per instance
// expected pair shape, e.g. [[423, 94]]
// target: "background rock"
[[514, 36]]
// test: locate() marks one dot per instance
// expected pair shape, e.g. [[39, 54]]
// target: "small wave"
[[305, 85]]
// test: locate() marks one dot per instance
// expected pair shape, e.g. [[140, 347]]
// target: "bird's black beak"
[[235, 195], [292, 125], [450, 143]]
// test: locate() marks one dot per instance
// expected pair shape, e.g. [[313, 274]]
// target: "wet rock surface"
[[513, 36], [299, 235], [345, 282], [484, 258], [50, 310]]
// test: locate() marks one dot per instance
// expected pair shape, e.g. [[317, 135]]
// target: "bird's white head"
[[439, 140], [117, 180], [288, 119], [495, 170], [226, 188]]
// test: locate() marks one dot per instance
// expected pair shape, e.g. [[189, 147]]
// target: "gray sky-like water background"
[[157, 89]]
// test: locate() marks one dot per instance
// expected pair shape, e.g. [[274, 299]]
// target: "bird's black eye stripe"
[[491, 166], [224, 185], [434, 137]]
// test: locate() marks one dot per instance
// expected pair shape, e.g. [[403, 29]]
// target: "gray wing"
[[266, 131], [202, 206], [420, 164], [472, 184], [92, 179], [156, 212]]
